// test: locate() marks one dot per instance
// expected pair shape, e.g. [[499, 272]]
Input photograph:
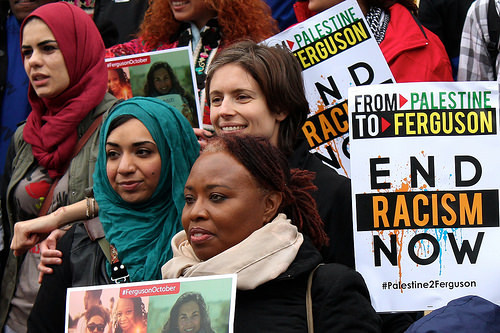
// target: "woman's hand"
[[31, 232], [48, 253], [203, 136]]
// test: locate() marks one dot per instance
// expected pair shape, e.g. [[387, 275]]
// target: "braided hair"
[[269, 167]]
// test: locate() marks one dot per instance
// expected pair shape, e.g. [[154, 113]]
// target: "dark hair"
[[122, 76], [279, 76], [94, 293], [269, 167], [149, 86], [97, 310], [139, 312], [171, 325], [118, 121]]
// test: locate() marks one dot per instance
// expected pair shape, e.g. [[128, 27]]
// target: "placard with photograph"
[[200, 304], [167, 75]]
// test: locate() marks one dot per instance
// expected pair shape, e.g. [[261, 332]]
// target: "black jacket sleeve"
[[341, 302]]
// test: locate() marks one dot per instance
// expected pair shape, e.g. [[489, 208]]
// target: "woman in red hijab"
[[48, 162]]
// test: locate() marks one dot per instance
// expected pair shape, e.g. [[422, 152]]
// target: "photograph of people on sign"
[[336, 51], [424, 162], [103, 310], [167, 75], [197, 305]]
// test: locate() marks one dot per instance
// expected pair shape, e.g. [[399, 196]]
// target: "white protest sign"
[[336, 50], [425, 159]]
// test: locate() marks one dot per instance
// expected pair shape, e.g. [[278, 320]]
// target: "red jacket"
[[413, 53]]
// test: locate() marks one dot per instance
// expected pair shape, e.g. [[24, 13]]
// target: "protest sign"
[[214, 297], [424, 161], [167, 75], [336, 50]]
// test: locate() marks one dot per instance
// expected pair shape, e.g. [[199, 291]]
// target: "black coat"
[[334, 204], [335, 208], [341, 302]]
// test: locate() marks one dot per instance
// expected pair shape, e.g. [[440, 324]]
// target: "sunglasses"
[[93, 327]]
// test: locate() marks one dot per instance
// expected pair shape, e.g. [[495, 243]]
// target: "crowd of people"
[[89, 168]]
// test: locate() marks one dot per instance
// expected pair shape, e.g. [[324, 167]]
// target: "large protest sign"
[[167, 75], [213, 295], [336, 50], [424, 161]]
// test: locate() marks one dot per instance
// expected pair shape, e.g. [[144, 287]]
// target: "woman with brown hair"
[[189, 314], [162, 80]]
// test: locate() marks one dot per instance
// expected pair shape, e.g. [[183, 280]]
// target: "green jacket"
[[80, 171]]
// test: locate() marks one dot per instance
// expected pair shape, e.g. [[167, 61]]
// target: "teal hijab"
[[142, 232]]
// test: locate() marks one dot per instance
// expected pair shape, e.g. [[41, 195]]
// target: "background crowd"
[[73, 152]]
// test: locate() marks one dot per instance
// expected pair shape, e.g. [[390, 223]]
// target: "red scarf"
[[51, 127]]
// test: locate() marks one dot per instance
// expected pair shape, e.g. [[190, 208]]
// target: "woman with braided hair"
[[246, 212]]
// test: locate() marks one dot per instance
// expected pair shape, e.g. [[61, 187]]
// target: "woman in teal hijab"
[[142, 236], [146, 151]]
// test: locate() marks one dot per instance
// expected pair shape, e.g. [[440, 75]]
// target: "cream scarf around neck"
[[259, 258]]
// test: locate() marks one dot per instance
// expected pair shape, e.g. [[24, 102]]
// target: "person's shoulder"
[[17, 138], [301, 158], [340, 292], [478, 14], [107, 103], [133, 46], [399, 9], [326, 175], [334, 279], [483, 4], [338, 273]]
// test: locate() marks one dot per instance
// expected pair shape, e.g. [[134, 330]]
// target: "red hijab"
[[51, 127]]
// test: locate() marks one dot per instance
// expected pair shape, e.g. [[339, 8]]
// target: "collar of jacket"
[[403, 33]]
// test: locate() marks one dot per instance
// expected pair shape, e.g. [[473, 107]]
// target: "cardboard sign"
[[424, 161], [156, 299], [168, 75], [336, 50]]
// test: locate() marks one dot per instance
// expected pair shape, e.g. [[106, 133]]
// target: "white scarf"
[[259, 258]]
